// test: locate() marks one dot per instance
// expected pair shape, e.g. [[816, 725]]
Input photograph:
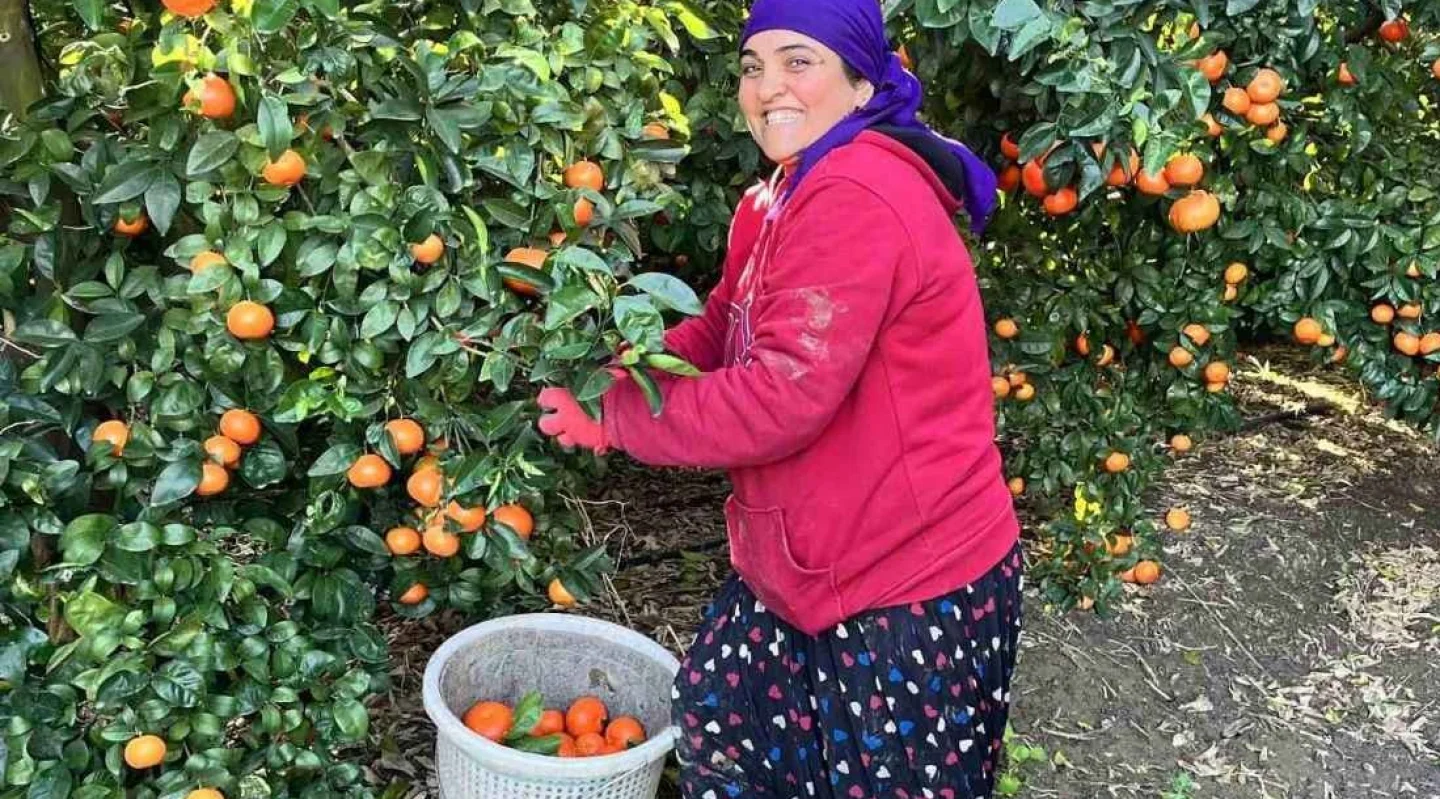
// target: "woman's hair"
[[851, 73]]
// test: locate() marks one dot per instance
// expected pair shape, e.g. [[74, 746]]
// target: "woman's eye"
[[797, 63], [749, 69]]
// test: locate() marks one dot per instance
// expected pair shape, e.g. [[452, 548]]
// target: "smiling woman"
[[865, 646], [793, 90]]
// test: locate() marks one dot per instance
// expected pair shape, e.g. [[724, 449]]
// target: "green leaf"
[[374, 167], [668, 291], [45, 332], [363, 538], [380, 318], [661, 25], [1035, 33], [318, 259], [90, 614], [546, 745], [649, 388], [126, 181], [84, 538], [53, 782], [211, 151], [527, 715], [335, 599], [112, 327], [275, 126], [445, 128], [178, 481], [266, 576], [263, 464], [137, 537], [691, 20], [671, 364], [271, 243], [1036, 140], [633, 209], [640, 322], [567, 303], [174, 535], [91, 12], [596, 385], [400, 109], [16, 644], [1234, 8], [507, 213], [351, 718], [162, 200], [482, 232], [530, 59], [178, 683], [447, 300], [582, 259], [271, 16], [421, 355], [335, 461], [1198, 91], [1011, 14]]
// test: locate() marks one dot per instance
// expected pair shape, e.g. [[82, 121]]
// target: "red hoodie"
[[846, 390]]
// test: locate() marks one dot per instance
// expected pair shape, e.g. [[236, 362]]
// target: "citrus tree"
[[280, 280], [1179, 175]]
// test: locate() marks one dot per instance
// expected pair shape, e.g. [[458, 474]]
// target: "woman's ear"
[[864, 92]]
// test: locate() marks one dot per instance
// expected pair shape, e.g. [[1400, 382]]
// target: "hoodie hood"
[[947, 170]]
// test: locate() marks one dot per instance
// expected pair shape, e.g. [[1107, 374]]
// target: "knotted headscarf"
[[855, 30]]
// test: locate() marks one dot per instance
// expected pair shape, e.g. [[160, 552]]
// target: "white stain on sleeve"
[[819, 309]]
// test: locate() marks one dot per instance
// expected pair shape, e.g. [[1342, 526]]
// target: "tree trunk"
[[20, 80]]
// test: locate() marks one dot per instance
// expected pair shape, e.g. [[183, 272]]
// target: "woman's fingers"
[[550, 424], [552, 399]]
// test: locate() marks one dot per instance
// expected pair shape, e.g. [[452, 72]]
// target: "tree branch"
[[21, 82]]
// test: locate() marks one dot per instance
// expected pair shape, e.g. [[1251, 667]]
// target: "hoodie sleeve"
[[824, 295]]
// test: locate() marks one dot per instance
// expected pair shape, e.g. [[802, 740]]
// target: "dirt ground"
[[1291, 650]]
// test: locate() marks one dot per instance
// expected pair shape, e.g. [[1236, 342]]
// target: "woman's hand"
[[569, 424]]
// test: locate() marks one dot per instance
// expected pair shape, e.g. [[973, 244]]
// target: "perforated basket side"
[[564, 656]]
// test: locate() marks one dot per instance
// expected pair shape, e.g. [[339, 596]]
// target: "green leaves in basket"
[[548, 745], [527, 715]]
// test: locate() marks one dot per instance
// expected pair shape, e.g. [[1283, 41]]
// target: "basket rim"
[[527, 765]]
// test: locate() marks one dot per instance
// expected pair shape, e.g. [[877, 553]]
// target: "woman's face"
[[792, 90]]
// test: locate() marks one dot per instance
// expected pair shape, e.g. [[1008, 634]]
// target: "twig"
[[1065, 645], [1072, 736], [1152, 680], [306, 198], [22, 423], [5, 341], [617, 600], [1263, 671]]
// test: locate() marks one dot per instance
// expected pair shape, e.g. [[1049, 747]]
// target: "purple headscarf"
[[855, 30]]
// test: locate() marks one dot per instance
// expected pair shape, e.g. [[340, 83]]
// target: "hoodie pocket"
[[760, 552]]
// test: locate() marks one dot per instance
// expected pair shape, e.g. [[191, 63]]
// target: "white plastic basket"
[[564, 657]]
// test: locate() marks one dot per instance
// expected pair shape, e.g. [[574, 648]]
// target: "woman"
[[865, 646]]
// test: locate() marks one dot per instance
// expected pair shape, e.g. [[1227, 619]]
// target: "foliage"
[[238, 625]]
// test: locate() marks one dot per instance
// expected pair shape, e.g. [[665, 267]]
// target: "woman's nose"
[[772, 85]]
